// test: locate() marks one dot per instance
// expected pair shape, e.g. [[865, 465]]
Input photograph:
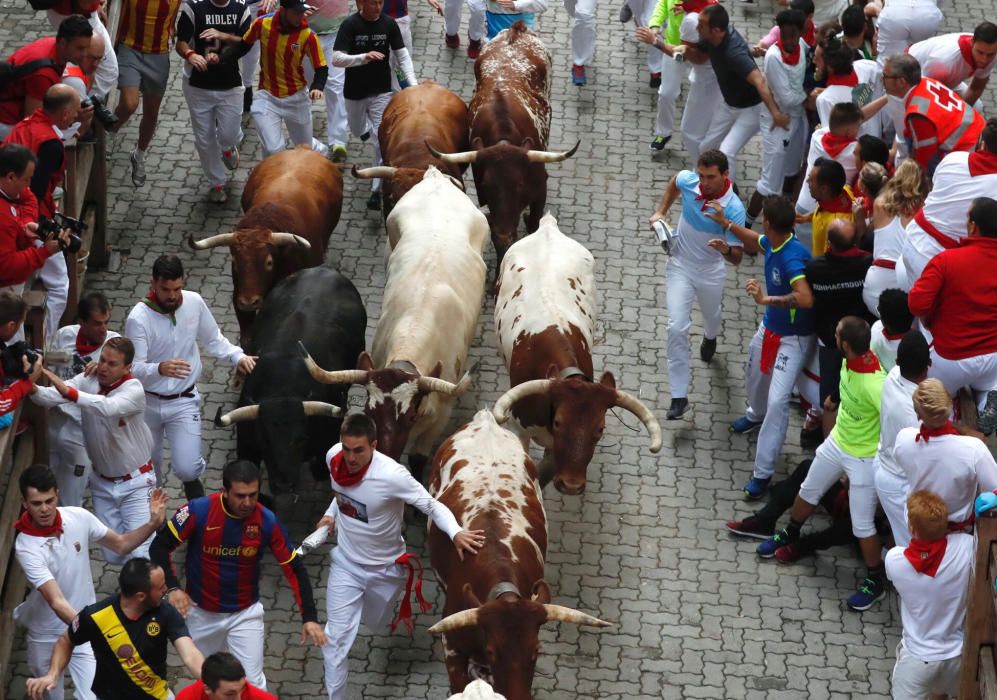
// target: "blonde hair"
[[873, 177], [927, 515], [906, 191], [932, 403]]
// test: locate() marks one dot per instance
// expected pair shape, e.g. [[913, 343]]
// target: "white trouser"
[[365, 116], [82, 665], [251, 59], [979, 373], [919, 249], [54, 275], [68, 458], [405, 27], [642, 10], [768, 394], [877, 280], [180, 420], [216, 120], [782, 152], [239, 633], [355, 593], [294, 111], [123, 506], [475, 22], [105, 78], [700, 104], [582, 30], [335, 103], [902, 23], [830, 462], [672, 75], [914, 679], [683, 283], [730, 129], [892, 491]]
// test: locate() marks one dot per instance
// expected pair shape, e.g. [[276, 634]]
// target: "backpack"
[[9, 72]]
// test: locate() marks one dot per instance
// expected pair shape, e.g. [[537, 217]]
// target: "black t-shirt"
[[837, 282], [131, 654], [732, 62], [195, 17], [357, 36]]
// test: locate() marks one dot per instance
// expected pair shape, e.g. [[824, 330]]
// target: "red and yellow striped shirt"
[[146, 24], [282, 54]]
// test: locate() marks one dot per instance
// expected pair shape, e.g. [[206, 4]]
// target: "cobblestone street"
[[696, 614]]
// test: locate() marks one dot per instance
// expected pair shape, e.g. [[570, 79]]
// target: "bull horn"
[[563, 614], [456, 158], [281, 238], [237, 415], [443, 386], [631, 403], [382, 171], [458, 183], [344, 376], [459, 620], [520, 391], [211, 241], [321, 408], [551, 156]]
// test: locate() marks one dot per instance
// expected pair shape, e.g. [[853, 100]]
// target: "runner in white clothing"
[[954, 58], [932, 576], [370, 564], [896, 412], [167, 327], [52, 546], [117, 439], [938, 458]]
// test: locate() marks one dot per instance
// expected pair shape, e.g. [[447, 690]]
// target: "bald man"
[[82, 77]]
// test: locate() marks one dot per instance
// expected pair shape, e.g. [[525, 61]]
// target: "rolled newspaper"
[[664, 235], [313, 541]]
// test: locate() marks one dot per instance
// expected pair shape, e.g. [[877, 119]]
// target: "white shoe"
[[231, 158], [138, 171], [218, 195]]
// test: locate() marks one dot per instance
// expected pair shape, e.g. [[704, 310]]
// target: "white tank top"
[[889, 241]]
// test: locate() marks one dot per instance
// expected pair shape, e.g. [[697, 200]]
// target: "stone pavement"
[[696, 614]]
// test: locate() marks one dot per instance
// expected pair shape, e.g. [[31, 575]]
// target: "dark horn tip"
[[218, 418], [302, 350], [354, 170], [190, 241]]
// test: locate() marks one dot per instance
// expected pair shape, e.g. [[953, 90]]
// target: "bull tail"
[[519, 27]]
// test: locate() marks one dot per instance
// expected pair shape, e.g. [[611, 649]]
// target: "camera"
[[50, 228], [105, 117], [10, 357]]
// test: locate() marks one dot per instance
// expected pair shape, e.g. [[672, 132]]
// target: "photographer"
[[12, 312], [18, 213]]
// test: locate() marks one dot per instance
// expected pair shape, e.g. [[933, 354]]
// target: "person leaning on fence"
[[12, 312]]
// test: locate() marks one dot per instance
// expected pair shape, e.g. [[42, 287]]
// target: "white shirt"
[[896, 412], [955, 467], [700, 73], [114, 431], [68, 415], [369, 514], [888, 243], [868, 73], [806, 203], [785, 81], [941, 58], [947, 206], [933, 608], [886, 350], [65, 560], [157, 339]]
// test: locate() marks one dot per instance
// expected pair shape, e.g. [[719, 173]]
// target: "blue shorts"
[[497, 22]]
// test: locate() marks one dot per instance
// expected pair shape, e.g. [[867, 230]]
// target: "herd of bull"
[[545, 314]]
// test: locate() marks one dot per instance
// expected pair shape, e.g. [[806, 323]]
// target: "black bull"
[[285, 418]]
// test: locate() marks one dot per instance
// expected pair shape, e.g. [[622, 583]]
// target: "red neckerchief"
[[842, 204], [770, 351], [704, 199], [410, 561], [966, 49], [810, 33], [926, 556], [83, 347], [894, 336], [790, 58], [341, 475], [867, 205], [850, 80], [152, 302], [696, 5], [26, 525], [866, 363], [928, 433], [982, 163], [834, 144], [105, 390]]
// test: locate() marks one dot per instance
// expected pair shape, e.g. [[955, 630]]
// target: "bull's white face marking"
[[494, 468], [547, 281], [402, 395]]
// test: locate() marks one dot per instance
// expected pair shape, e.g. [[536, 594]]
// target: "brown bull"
[[292, 202], [497, 599], [510, 125], [425, 113]]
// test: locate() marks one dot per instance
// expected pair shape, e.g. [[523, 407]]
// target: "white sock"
[[139, 154]]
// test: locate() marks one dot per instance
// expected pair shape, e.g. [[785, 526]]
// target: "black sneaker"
[[660, 142], [678, 407], [868, 594], [247, 100], [364, 136], [655, 80], [750, 527], [374, 201], [811, 438], [707, 349], [626, 14]]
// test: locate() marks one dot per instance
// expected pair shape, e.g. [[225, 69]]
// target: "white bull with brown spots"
[[497, 599]]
